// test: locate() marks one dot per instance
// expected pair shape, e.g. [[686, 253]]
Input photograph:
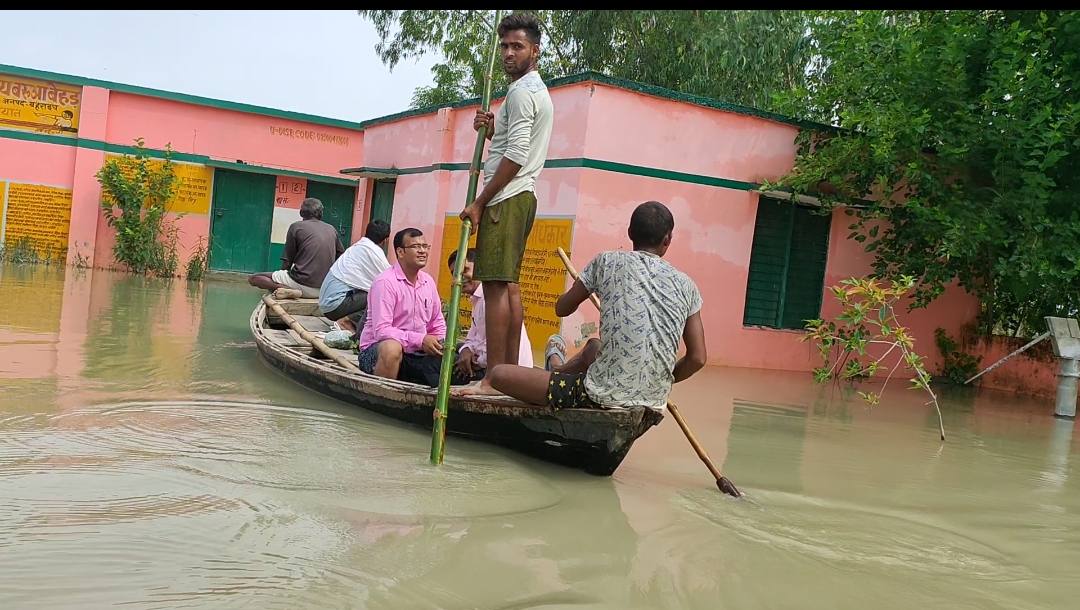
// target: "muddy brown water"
[[148, 459]]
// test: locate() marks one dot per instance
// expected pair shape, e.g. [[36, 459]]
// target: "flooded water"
[[148, 459]]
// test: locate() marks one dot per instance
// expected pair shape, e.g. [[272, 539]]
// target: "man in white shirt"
[[344, 292], [504, 211], [471, 363]]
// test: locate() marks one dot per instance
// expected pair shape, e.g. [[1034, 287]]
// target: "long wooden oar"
[[722, 482], [307, 336], [442, 399]]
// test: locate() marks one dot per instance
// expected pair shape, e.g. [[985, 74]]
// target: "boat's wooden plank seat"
[[313, 324], [297, 339], [288, 338], [295, 307]]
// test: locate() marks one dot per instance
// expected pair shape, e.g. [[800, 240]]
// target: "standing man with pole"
[[504, 211]]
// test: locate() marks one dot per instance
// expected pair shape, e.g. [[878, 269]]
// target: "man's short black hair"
[[650, 223], [521, 21], [399, 237], [470, 256], [311, 208], [377, 231]]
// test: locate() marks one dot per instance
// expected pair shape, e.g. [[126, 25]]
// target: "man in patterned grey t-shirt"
[[646, 306]]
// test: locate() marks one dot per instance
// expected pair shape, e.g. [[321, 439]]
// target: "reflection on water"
[[148, 458]]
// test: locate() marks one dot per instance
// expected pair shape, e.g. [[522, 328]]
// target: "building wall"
[[657, 133], [611, 150], [1033, 372], [432, 153], [715, 222], [55, 168]]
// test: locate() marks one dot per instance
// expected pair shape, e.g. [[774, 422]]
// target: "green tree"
[[136, 192], [742, 57], [959, 130]]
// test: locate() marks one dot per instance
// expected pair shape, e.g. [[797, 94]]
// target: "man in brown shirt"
[[311, 247]]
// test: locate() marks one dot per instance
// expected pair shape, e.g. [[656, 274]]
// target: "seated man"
[[311, 247], [344, 293], [403, 334], [472, 354], [646, 305]]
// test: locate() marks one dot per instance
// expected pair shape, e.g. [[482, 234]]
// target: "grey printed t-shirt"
[[644, 304]]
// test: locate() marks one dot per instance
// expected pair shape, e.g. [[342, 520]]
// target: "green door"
[[338, 201], [382, 201], [242, 215]]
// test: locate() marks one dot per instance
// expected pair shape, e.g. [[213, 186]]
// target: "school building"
[[762, 263]]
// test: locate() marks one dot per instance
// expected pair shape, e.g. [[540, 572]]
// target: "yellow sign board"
[[40, 213], [543, 277], [195, 191], [451, 234], [196, 181], [28, 104]]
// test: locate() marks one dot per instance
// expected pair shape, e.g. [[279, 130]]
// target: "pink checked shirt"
[[476, 340], [401, 311]]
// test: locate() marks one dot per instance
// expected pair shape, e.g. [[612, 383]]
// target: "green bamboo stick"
[[442, 401]]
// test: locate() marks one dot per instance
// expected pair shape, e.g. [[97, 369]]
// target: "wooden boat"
[[592, 440]]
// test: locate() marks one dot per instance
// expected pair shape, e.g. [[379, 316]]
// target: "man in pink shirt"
[[404, 328], [471, 364]]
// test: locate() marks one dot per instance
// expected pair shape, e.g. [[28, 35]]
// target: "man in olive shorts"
[[504, 211]]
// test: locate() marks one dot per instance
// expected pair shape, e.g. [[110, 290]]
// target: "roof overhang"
[[374, 173], [785, 196]]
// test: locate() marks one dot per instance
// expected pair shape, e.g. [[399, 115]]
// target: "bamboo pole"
[[573, 273], [307, 336], [442, 400], [722, 482], [1031, 344]]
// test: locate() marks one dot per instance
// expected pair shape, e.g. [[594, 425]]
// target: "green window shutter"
[[768, 259], [806, 271], [787, 265]]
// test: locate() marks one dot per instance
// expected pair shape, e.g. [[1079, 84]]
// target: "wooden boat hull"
[[594, 441]]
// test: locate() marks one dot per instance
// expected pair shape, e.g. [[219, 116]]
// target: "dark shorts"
[[353, 307], [415, 368], [500, 239], [567, 391]]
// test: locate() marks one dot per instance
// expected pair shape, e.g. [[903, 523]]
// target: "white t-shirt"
[[360, 263], [644, 305], [522, 133]]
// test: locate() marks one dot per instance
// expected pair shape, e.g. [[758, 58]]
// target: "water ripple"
[[821, 530], [245, 500]]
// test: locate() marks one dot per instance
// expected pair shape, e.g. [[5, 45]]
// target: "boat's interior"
[[293, 347], [305, 312]]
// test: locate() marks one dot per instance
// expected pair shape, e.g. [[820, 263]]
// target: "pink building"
[[245, 169], [761, 263]]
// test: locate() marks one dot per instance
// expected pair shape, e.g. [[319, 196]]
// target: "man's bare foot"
[[287, 293], [476, 388], [347, 325]]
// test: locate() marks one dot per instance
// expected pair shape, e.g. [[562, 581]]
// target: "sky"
[[318, 62]]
